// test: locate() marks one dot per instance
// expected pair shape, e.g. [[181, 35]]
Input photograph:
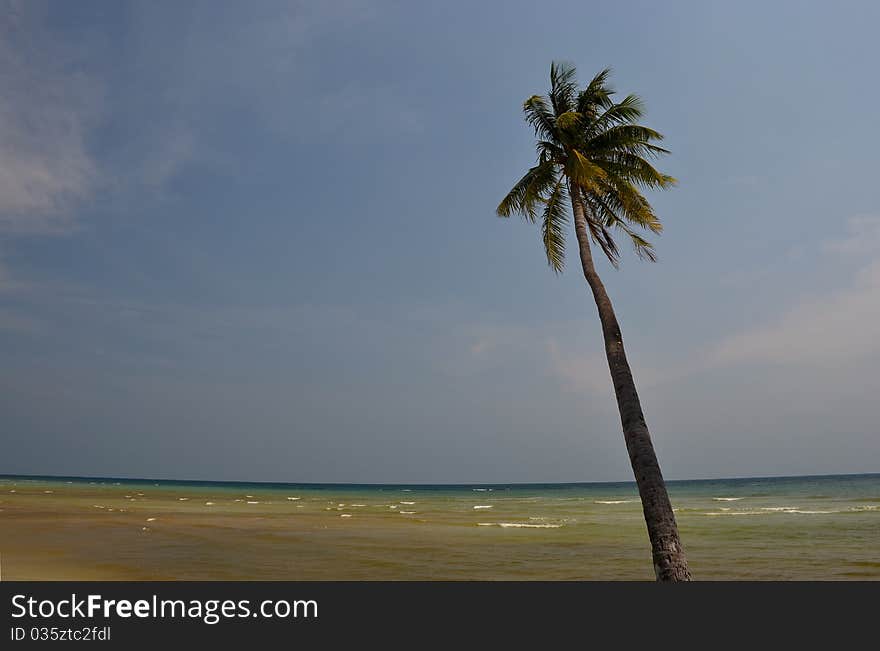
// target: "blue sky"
[[257, 241]]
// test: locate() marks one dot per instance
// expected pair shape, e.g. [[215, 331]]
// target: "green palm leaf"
[[553, 223], [529, 192]]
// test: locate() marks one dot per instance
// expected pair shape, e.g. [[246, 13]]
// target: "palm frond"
[[540, 116], [526, 196], [548, 150], [642, 247], [610, 219], [630, 137], [598, 226], [626, 111], [553, 222], [596, 96], [634, 169], [563, 86], [628, 204], [582, 171]]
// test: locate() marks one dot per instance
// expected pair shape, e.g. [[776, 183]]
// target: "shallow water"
[[778, 528]]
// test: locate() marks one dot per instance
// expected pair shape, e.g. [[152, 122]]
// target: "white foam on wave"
[[253, 502], [151, 519], [518, 525], [345, 515], [726, 499], [482, 490], [294, 499], [408, 503], [182, 499], [406, 512], [483, 506], [770, 510], [804, 512], [613, 501], [209, 503], [798, 510]]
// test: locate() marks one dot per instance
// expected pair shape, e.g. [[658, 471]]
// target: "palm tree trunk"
[[670, 563]]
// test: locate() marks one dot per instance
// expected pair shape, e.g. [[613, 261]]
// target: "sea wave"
[[613, 501], [773, 510], [726, 499], [518, 525], [805, 512], [483, 506]]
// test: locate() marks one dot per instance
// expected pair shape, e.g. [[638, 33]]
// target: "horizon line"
[[417, 484]]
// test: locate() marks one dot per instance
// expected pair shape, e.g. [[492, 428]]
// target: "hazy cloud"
[[45, 110], [11, 320], [826, 330]]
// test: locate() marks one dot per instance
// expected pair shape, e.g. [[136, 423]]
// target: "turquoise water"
[[825, 527]]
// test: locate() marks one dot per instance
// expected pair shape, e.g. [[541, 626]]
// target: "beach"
[[797, 528]]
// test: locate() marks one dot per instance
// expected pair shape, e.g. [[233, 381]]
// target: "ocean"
[[783, 528]]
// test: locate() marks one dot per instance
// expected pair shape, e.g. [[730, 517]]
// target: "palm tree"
[[593, 154]]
